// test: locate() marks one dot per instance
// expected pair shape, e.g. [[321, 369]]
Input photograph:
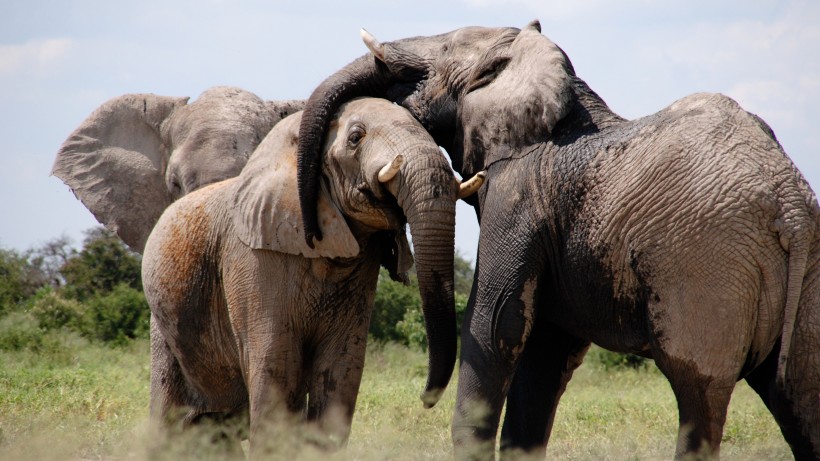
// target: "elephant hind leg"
[[175, 406], [703, 402], [541, 376], [797, 407], [170, 394], [763, 380]]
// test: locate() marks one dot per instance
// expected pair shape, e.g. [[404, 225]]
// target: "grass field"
[[77, 401]]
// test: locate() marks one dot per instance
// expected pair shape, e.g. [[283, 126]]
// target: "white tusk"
[[470, 186], [389, 171], [372, 44]]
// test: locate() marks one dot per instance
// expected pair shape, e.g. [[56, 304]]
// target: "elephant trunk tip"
[[430, 397]]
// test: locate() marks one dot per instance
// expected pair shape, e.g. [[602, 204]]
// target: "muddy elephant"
[[251, 319], [137, 153], [687, 236]]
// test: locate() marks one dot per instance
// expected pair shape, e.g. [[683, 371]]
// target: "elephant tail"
[[798, 247]]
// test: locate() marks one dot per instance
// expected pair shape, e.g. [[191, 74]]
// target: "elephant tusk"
[[372, 44], [470, 186], [389, 171]]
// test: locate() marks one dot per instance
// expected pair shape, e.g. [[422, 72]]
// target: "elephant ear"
[[115, 163], [515, 96], [265, 207]]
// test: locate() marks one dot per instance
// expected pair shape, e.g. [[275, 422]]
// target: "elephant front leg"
[[334, 385], [545, 368], [278, 392], [497, 326]]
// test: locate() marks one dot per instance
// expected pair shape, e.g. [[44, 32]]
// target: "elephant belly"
[[590, 311]]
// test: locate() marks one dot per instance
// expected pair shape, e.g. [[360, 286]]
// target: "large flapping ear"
[[518, 96], [115, 163], [265, 206]]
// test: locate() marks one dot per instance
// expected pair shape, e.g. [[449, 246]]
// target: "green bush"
[[608, 360], [103, 263], [118, 315], [19, 330], [19, 280], [393, 300], [54, 312]]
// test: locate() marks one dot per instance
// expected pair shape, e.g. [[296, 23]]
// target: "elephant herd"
[[687, 236]]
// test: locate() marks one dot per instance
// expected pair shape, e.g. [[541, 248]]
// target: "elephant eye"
[[355, 137]]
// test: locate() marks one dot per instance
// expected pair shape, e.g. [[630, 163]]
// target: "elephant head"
[[472, 89], [380, 170], [137, 153]]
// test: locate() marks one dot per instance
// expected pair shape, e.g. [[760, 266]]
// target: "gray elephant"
[[250, 318], [687, 236], [137, 153]]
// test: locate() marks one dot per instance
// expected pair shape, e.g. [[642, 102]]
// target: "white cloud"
[[34, 57]]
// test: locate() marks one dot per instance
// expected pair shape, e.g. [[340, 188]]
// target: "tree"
[[13, 284], [397, 314], [102, 264]]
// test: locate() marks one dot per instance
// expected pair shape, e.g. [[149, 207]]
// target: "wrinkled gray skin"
[[137, 153], [687, 236], [249, 319]]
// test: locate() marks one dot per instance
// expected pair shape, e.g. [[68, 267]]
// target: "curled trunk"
[[360, 77]]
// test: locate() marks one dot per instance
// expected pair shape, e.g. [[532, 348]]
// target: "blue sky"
[[61, 60]]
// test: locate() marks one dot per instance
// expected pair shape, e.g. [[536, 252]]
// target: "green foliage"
[[393, 300], [55, 291], [19, 330], [608, 360], [118, 315], [411, 329], [102, 264], [54, 312], [19, 280], [398, 316]]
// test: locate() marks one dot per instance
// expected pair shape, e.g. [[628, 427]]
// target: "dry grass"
[[81, 401]]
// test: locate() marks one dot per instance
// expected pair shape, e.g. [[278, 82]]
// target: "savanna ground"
[[72, 399], [75, 372]]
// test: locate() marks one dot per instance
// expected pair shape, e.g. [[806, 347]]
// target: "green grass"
[[80, 401]]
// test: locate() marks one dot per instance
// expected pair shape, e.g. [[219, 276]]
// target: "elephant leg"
[[545, 368], [170, 398], [702, 407], [797, 407], [334, 384], [174, 405], [495, 331], [763, 380], [702, 362], [277, 390]]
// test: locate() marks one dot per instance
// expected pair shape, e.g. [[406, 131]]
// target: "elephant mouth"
[[388, 214]]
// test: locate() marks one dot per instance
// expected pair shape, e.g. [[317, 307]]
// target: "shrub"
[[102, 264], [118, 315], [19, 330], [609, 360], [19, 280], [393, 300], [54, 312]]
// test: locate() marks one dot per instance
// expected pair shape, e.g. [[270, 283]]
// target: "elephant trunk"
[[359, 78], [427, 194]]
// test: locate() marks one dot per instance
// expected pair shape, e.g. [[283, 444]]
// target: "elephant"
[[250, 319], [137, 153], [687, 236]]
